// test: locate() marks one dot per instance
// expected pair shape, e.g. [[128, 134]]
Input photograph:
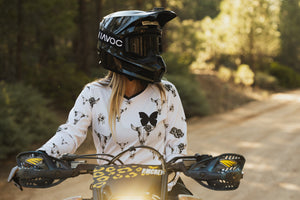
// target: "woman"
[[131, 106]]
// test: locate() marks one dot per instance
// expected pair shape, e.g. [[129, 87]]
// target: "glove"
[[13, 173], [12, 177]]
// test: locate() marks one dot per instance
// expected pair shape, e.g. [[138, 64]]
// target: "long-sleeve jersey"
[[145, 119]]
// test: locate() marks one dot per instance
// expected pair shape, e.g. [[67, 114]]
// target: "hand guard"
[[36, 169], [218, 173]]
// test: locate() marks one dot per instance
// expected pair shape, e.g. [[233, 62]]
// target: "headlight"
[[129, 198], [74, 198]]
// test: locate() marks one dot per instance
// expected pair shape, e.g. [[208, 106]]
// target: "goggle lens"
[[143, 45]]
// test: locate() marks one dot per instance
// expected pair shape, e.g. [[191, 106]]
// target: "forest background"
[[48, 53]]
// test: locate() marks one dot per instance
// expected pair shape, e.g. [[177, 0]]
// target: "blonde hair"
[[117, 83]]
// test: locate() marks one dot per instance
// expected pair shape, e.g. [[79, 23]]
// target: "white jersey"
[[145, 119]]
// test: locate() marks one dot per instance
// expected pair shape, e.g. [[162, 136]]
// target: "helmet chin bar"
[[142, 69]]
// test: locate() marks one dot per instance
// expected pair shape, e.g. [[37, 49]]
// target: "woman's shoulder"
[[96, 87], [97, 84], [168, 85]]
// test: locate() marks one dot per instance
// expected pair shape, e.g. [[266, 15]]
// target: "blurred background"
[[220, 54]]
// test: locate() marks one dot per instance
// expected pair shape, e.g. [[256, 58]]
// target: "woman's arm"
[[70, 135], [176, 129]]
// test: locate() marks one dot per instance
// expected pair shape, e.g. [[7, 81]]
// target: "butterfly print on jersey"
[[176, 132], [78, 116], [145, 118], [158, 103], [170, 88], [148, 124]]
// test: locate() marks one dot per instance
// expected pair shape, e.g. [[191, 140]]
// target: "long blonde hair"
[[117, 83]]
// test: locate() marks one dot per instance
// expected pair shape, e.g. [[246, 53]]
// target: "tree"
[[290, 33], [82, 48], [195, 9], [242, 30]]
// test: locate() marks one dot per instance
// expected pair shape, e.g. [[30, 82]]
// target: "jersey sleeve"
[[176, 128], [70, 135]]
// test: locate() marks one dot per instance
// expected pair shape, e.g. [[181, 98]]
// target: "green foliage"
[[193, 98], [37, 30], [178, 63], [25, 118], [195, 9], [61, 82], [225, 73], [185, 37], [286, 76], [266, 81], [241, 30], [52, 44]]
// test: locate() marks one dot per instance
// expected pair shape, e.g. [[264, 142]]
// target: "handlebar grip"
[[25, 173]]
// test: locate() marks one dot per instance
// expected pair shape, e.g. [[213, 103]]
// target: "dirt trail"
[[267, 133]]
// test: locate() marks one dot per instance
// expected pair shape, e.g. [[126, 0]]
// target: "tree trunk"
[[139, 4], [99, 15], [20, 39], [99, 8], [163, 4], [82, 51]]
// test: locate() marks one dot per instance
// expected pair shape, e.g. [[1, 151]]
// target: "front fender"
[[187, 197]]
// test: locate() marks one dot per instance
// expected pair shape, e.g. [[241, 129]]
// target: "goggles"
[[139, 44], [143, 45]]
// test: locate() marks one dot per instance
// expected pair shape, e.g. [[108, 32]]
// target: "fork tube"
[[164, 187]]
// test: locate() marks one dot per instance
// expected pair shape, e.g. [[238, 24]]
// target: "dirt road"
[[267, 133]]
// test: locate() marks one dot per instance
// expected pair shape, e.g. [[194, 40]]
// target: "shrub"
[[244, 75], [25, 118], [266, 81], [225, 73], [287, 77], [60, 81], [192, 97], [178, 64]]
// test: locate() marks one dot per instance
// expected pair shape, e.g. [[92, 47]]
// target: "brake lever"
[[176, 167]]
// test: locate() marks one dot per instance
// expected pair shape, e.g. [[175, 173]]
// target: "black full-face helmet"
[[129, 43]]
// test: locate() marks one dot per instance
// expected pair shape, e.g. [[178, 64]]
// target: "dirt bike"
[[115, 180]]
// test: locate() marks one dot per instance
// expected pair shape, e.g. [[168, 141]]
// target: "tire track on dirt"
[[267, 134]]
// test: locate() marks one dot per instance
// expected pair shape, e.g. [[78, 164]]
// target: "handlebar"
[[39, 170]]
